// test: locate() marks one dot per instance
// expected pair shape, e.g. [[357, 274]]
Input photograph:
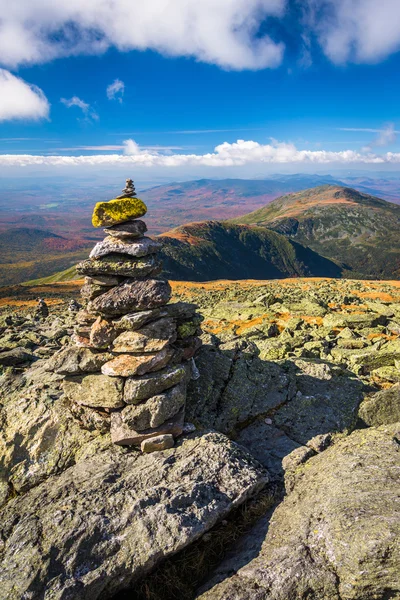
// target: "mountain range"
[[328, 230]]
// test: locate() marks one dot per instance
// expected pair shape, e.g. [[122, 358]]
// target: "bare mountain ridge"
[[356, 230]]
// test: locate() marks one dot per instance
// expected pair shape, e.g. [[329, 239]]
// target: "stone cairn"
[[141, 346]]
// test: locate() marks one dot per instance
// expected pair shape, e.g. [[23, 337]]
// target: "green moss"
[[117, 211]]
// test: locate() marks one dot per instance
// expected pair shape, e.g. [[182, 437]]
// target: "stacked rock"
[[141, 344]]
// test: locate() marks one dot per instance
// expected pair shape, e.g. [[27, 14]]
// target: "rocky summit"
[[267, 469]]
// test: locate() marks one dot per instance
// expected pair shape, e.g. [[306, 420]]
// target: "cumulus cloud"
[[86, 109], [238, 154], [225, 33], [355, 30], [232, 34], [20, 100], [116, 90]]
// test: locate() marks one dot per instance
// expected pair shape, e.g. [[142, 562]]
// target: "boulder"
[[108, 520], [130, 297], [127, 365], [138, 248], [95, 390], [120, 265], [335, 536], [140, 388], [117, 211], [38, 435], [382, 408], [156, 410], [150, 338]]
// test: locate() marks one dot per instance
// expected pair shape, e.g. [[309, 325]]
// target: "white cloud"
[[88, 112], [20, 100], [238, 154], [355, 30], [116, 90], [220, 32], [224, 33]]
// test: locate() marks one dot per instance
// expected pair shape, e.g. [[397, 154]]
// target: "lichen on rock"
[[117, 211]]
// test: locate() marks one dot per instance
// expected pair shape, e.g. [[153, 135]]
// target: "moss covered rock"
[[117, 211]]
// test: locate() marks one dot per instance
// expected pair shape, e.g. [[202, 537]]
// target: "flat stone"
[[128, 229], [120, 265], [155, 444], [140, 388], [129, 297], [117, 211], [110, 245], [74, 361], [134, 321], [114, 516], [150, 338], [105, 280], [156, 410], [127, 365], [95, 390], [122, 435], [102, 333], [177, 310]]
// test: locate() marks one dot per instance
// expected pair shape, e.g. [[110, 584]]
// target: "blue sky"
[[200, 87]]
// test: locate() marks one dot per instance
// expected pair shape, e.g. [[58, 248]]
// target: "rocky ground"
[[297, 406]]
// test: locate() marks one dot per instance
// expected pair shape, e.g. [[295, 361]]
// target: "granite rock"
[[130, 297], [150, 338], [155, 444], [127, 365], [128, 229], [114, 516], [121, 266], [74, 361], [156, 410], [137, 248], [140, 388], [95, 390]]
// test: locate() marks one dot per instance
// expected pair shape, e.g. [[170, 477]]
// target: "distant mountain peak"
[[355, 229]]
